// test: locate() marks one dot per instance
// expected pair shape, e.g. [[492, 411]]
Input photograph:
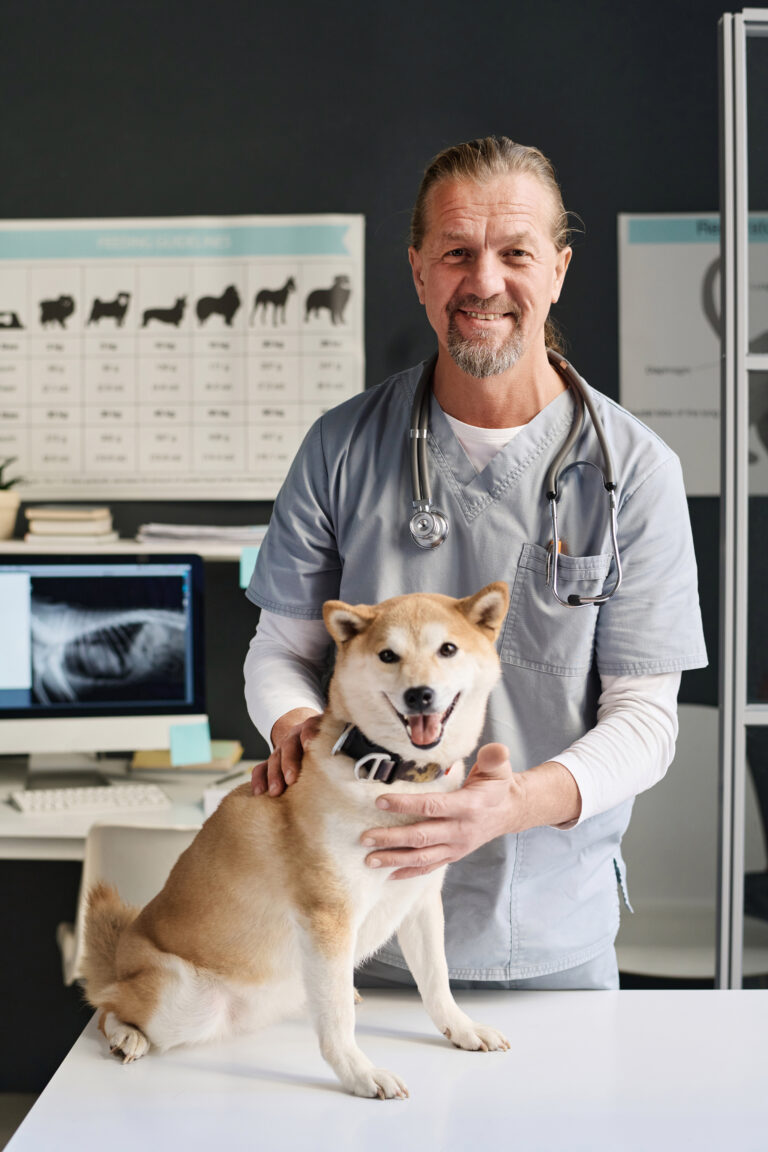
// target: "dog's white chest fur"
[[379, 902]]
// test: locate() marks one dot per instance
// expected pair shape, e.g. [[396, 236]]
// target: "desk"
[[587, 1072], [62, 837]]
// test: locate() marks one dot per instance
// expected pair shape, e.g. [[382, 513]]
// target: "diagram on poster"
[[180, 358], [669, 318]]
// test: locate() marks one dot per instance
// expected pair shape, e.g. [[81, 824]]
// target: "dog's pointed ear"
[[344, 621], [487, 608]]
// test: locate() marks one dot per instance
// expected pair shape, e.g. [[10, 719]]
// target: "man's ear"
[[561, 267], [487, 608], [345, 621], [414, 255]]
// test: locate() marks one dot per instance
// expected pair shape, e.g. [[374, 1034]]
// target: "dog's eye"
[[448, 649], [387, 656]]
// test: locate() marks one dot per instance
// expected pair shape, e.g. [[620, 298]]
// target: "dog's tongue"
[[424, 729]]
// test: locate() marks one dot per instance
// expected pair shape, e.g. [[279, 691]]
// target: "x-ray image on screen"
[[86, 654], [99, 653]]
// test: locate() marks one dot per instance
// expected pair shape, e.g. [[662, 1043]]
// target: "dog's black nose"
[[418, 699]]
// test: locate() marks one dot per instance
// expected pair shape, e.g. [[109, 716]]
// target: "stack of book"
[[69, 524]]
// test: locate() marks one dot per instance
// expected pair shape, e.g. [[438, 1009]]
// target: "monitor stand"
[[71, 770]]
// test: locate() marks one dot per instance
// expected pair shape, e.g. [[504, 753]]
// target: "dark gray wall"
[[173, 108]]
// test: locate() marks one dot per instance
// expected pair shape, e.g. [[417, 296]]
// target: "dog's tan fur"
[[273, 902]]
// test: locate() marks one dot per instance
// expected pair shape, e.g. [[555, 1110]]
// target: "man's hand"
[[489, 804], [290, 736], [493, 801]]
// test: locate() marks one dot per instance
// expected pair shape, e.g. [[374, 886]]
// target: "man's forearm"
[[632, 743], [549, 795], [282, 671]]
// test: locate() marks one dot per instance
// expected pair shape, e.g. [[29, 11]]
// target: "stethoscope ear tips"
[[429, 527]]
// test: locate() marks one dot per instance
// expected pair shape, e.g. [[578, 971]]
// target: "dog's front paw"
[[476, 1037], [376, 1082], [125, 1040]]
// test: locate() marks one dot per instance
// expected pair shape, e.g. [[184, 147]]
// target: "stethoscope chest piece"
[[428, 525]]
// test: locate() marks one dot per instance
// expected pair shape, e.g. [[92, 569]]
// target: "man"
[[585, 715]]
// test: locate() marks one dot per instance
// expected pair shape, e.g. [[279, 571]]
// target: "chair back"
[[136, 859]]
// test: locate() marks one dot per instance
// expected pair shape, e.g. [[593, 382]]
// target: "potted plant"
[[9, 501]]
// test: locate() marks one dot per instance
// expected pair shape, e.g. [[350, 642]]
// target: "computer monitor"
[[99, 653]]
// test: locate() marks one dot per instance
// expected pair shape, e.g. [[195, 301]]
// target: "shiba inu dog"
[[272, 904]]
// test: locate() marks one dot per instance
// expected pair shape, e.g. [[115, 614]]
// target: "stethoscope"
[[429, 525]]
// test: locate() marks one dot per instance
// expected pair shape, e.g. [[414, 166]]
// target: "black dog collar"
[[372, 762]]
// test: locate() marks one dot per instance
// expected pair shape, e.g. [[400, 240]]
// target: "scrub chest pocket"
[[540, 633]]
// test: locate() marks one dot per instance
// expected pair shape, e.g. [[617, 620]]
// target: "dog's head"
[[414, 673]]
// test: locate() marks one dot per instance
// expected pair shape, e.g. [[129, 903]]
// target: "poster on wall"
[[669, 315], [174, 358]]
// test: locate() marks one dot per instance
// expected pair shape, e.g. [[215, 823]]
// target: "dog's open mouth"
[[425, 729]]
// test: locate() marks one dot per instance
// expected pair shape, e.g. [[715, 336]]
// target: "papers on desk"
[[249, 535]]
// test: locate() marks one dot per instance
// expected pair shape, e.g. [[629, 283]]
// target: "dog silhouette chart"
[[168, 356], [113, 309], [334, 299], [225, 306], [173, 315], [56, 311], [277, 297]]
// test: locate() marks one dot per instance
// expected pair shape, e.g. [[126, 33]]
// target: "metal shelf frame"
[[736, 714]]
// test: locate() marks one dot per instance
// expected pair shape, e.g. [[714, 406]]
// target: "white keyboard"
[[90, 801]]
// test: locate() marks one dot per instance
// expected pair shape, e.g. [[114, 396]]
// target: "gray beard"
[[479, 357]]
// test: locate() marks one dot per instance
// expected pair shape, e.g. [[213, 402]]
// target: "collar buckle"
[[374, 766]]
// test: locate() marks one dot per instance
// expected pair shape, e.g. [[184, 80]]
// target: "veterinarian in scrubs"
[[586, 708]]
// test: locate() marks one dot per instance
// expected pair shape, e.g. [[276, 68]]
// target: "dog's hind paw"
[[477, 1038], [124, 1039]]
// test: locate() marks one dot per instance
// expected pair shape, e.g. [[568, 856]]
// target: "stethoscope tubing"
[[429, 525], [422, 492]]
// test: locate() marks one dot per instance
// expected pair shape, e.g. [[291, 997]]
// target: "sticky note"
[[190, 743], [247, 564]]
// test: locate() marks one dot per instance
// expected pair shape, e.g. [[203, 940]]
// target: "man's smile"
[[480, 314], [484, 315]]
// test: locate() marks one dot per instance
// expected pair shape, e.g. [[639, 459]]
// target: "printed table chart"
[[175, 358], [669, 322]]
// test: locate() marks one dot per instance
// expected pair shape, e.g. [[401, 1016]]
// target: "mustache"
[[477, 304]]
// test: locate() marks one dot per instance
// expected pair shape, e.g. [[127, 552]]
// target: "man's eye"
[[448, 649], [456, 254], [387, 656]]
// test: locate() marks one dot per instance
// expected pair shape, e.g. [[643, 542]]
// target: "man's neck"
[[504, 401]]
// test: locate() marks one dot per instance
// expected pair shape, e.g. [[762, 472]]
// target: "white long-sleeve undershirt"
[[628, 750]]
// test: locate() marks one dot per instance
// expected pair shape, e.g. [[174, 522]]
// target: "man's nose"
[[485, 276]]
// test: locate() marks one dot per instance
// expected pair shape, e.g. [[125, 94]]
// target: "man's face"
[[488, 270]]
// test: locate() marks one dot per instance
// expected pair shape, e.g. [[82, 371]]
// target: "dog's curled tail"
[[107, 917]]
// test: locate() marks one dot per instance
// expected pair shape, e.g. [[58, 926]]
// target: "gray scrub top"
[[546, 899]]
